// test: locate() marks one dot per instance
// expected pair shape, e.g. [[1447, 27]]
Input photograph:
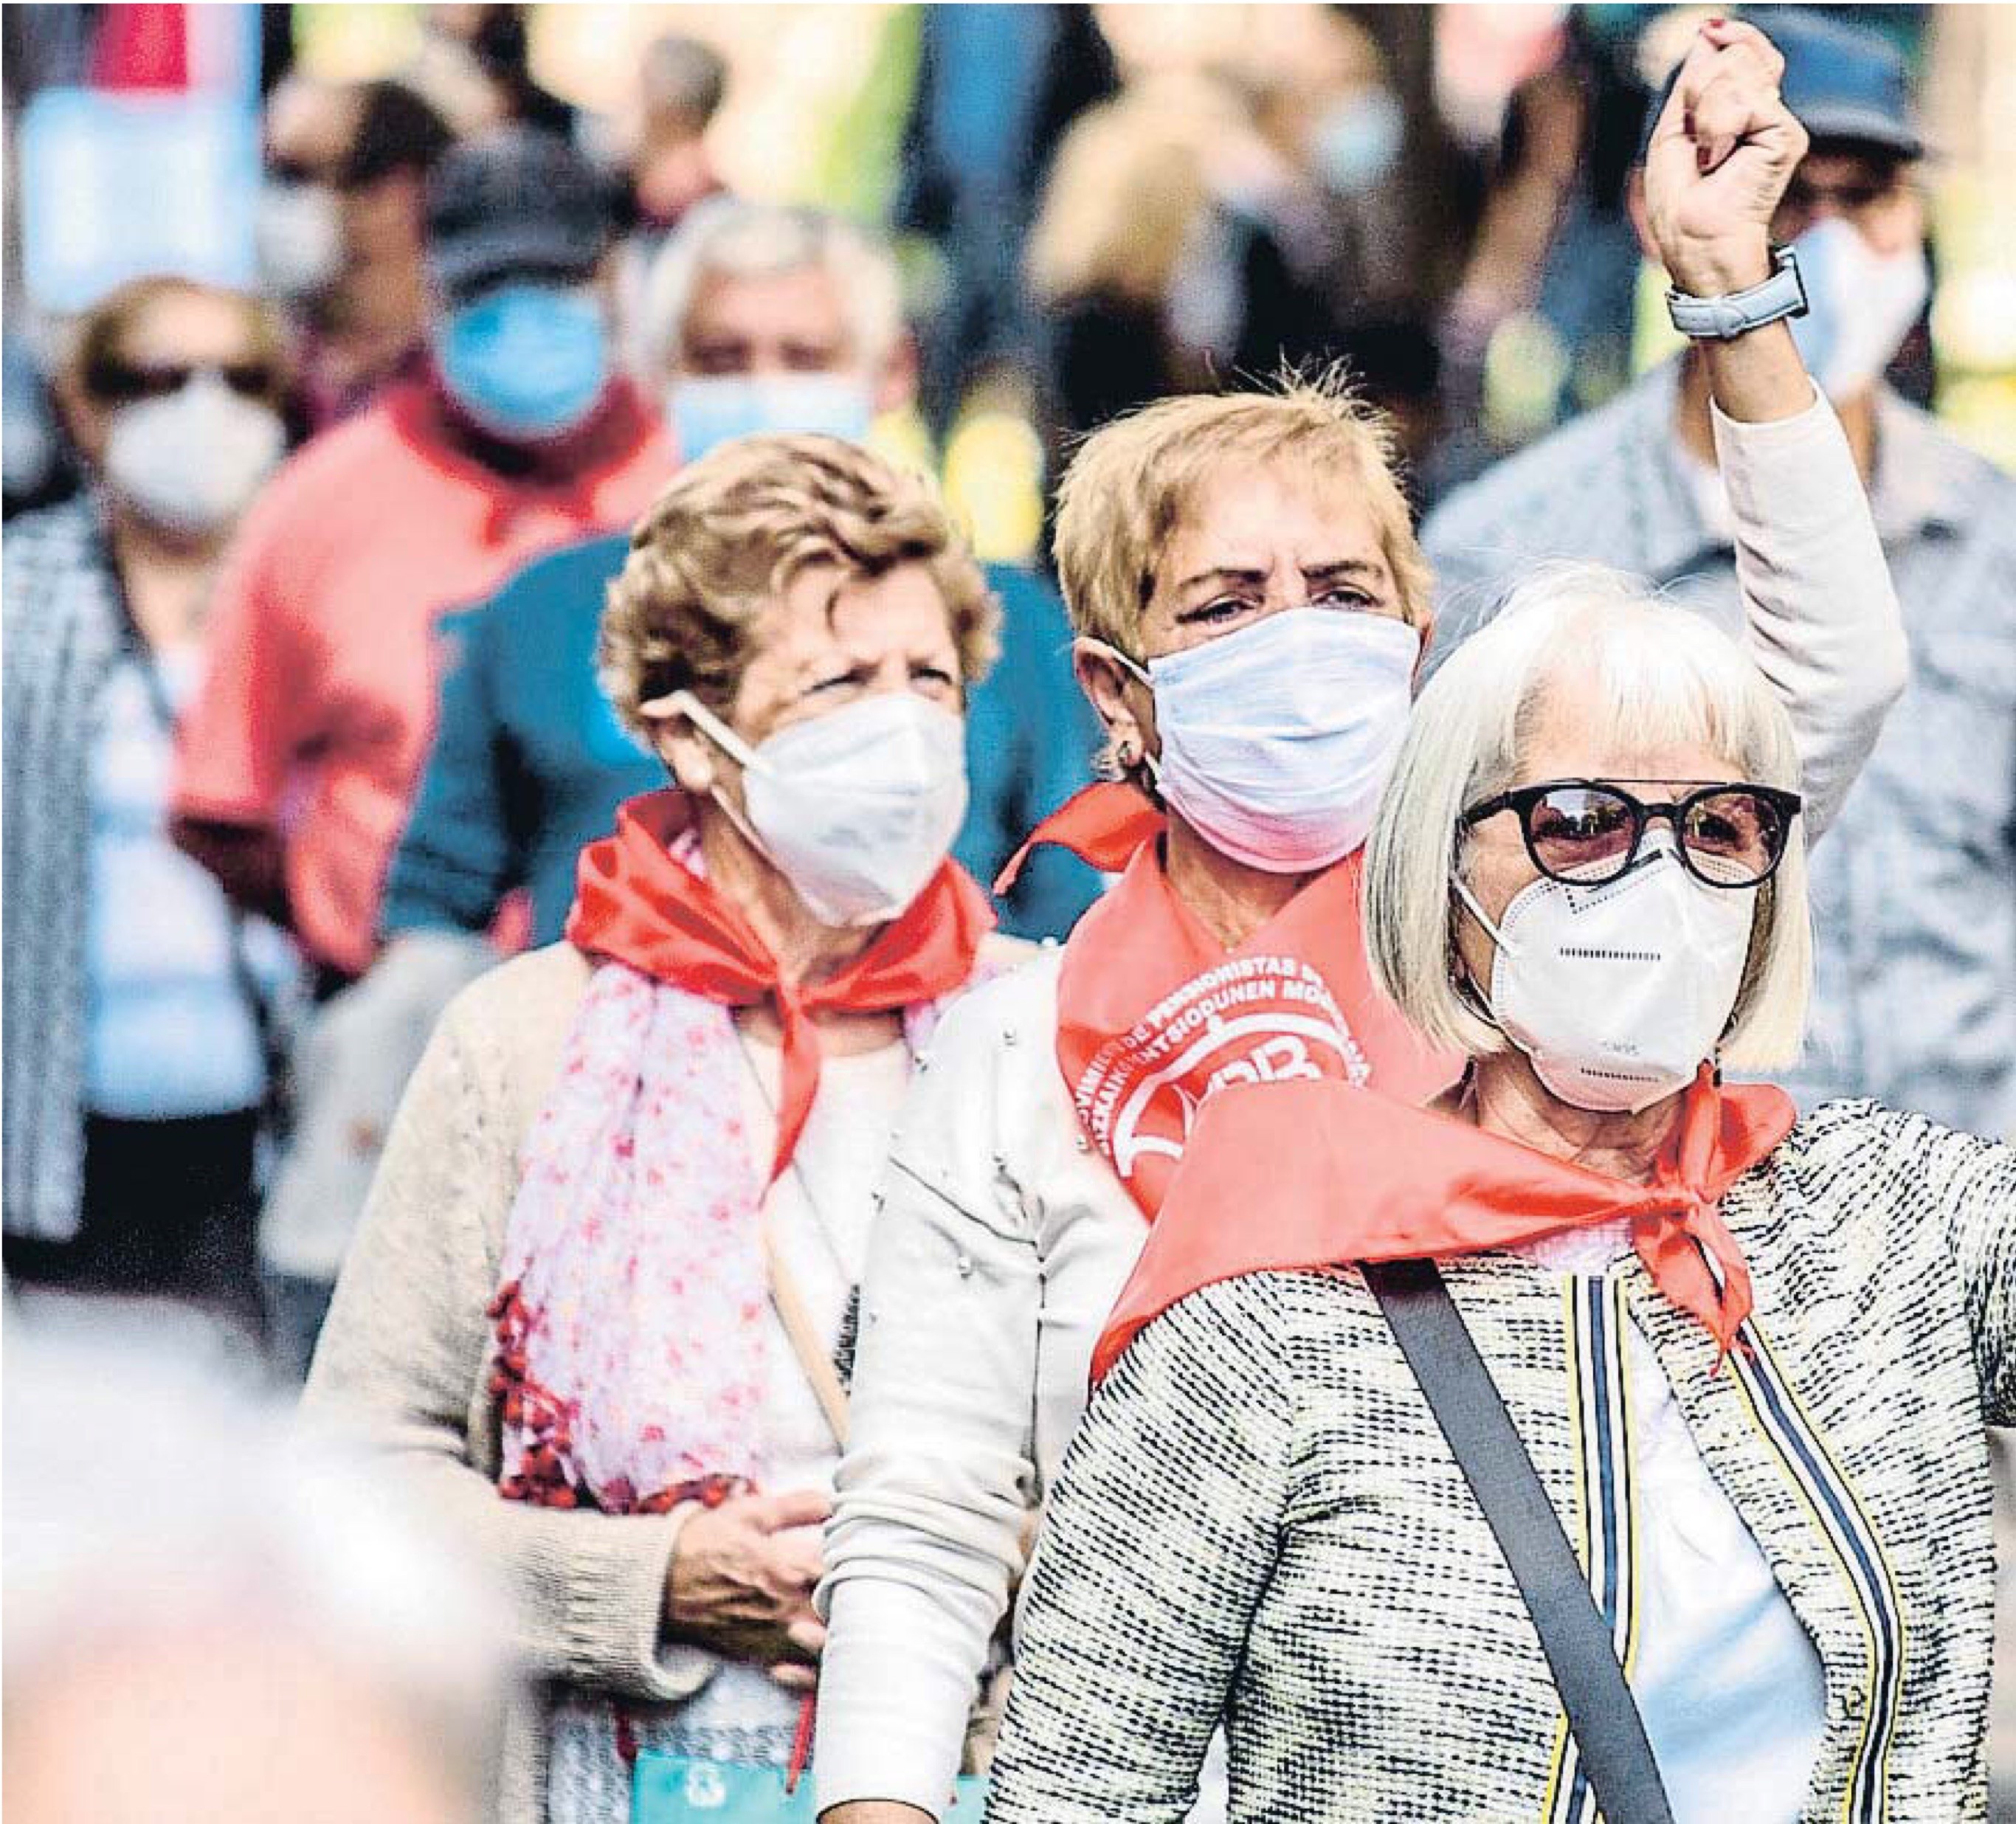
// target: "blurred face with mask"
[[526, 358], [1856, 217], [522, 340], [778, 320], [339, 233], [175, 405]]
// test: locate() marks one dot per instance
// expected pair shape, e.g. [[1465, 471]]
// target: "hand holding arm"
[[405, 1356], [741, 1578]]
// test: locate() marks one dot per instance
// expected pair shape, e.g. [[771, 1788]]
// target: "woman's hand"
[[741, 1579], [1724, 150]]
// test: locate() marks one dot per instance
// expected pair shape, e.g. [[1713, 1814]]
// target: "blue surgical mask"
[[1357, 142], [716, 408], [528, 361]]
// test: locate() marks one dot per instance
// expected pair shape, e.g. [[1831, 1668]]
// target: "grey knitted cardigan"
[[1259, 1512]]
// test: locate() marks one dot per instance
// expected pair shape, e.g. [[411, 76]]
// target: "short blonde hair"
[[1663, 675], [1132, 479], [728, 537]]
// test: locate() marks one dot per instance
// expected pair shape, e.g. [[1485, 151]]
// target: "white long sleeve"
[[999, 1248], [1820, 614]]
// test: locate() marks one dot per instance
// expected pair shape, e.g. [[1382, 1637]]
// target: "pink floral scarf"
[[632, 1336]]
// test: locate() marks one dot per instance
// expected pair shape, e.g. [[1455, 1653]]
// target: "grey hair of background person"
[[728, 235], [146, 1500], [1663, 677]]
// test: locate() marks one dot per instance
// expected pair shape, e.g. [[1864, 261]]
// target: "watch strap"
[[1783, 294]]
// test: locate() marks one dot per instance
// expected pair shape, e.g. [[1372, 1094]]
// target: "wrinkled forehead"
[[1247, 514], [800, 304]]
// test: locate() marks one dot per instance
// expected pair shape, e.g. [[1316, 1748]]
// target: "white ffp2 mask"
[[1619, 993], [191, 461], [855, 808], [1277, 740]]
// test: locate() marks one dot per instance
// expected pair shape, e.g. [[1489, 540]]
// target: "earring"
[[1124, 754]]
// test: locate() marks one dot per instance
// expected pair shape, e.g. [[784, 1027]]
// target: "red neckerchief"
[[1155, 1015], [635, 905], [1313, 1176], [562, 474]]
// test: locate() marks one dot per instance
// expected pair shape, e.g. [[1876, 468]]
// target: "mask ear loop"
[[1466, 987], [684, 702], [1149, 762], [1477, 912]]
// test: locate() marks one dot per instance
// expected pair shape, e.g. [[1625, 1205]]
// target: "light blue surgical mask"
[[1357, 142], [710, 409], [528, 361], [1861, 304]]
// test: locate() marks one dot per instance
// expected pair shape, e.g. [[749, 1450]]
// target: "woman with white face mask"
[[1252, 608], [1747, 1357], [608, 1267], [137, 998]]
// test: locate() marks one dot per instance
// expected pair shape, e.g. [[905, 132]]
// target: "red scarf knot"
[[1350, 1175], [636, 903]]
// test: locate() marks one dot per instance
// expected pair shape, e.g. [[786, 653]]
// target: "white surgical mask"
[[1861, 305], [1277, 740], [191, 461], [855, 808], [1619, 993], [297, 239], [710, 409]]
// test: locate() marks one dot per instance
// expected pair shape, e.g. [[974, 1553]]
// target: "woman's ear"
[[1114, 692], [1426, 629], [86, 422], [688, 754]]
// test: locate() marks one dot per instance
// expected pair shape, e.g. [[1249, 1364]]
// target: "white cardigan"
[[1003, 1241]]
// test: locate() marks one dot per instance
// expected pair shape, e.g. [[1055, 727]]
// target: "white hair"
[[1663, 676], [146, 1499], [740, 239]]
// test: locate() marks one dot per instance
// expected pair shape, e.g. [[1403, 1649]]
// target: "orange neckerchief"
[[634, 903], [1155, 1016], [1313, 1176]]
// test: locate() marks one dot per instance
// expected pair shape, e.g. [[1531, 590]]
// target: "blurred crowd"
[[307, 537]]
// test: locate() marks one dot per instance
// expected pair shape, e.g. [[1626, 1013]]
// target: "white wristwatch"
[[1783, 294]]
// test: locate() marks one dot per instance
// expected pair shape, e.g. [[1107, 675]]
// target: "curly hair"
[[728, 537]]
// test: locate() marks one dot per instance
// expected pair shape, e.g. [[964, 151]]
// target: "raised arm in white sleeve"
[[1819, 613]]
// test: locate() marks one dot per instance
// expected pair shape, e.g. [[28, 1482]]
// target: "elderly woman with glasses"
[[1750, 1357]]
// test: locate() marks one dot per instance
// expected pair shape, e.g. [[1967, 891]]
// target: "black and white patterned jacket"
[[1259, 1518]]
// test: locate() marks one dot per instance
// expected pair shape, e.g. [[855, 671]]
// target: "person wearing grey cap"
[[300, 757], [1914, 892]]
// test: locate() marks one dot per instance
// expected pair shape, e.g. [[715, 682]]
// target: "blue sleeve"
[[459, 857], [1056, 735]]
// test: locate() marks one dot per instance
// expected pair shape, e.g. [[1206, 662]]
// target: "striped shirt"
[[1914, 891]]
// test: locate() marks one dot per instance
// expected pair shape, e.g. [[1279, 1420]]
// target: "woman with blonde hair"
[[1251, 609], [606, 1270]]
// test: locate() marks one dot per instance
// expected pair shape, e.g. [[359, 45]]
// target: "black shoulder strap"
[[1602, 1714]]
